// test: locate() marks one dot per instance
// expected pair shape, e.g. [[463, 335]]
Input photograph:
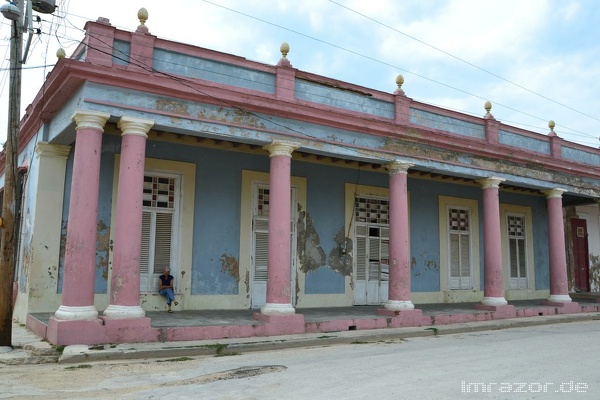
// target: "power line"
[[339, 47], [464, 61]]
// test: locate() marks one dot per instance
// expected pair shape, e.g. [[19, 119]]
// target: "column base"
[[68, 332], [124, 312], [277, 309], [281, 324], [494, 301], [559, 298], [568, 307], [397, 305], [66, 313]]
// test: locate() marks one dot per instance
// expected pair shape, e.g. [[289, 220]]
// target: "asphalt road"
[[557, 361]]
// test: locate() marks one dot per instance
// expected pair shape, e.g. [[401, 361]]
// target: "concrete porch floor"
[[215, 324]]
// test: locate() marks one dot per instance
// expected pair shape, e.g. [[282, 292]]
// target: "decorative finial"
[[488, 106], [142, 16], [551, 125], [399, 82], [285, 49], [60, 53]]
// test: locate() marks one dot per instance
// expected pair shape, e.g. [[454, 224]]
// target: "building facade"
[[269, 188]]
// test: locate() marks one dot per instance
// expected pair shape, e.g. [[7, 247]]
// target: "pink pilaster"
[[142, 50], [100, 39], [286, 76], [399, 283], [555, 141], [80, 249], [492, 244], [279, 257], [125, 282], [402, 106], [492, 126], [559, 289]]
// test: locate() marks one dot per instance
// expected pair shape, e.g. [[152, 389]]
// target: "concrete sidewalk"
[[30, 349]]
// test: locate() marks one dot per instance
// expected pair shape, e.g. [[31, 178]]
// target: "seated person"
[[166, 287]]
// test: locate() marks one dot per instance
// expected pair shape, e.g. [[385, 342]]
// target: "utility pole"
[[11, 152]]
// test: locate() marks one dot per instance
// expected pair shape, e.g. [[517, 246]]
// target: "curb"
[[132, 351]]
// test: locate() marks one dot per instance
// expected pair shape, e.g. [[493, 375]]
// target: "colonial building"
[[269, 188]]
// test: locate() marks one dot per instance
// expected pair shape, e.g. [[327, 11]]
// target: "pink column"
[[493, 278], [399, 284], [80, 248], [278, 262], [125, 283], [559, 288]]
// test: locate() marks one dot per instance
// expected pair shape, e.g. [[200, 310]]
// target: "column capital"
[[88, 119], [52, 150], [281, 148], [135, 126], [491, 182], [396, 167], [554, 193]]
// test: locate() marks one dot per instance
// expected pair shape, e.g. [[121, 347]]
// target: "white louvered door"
[[372, 238]]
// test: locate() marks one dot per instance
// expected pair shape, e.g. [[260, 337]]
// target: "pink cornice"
[[68, 75]]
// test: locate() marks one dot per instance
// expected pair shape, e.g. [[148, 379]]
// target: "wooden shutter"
[[162, 241], [361, 253], [454, 255], [261, 245], [145, 256]]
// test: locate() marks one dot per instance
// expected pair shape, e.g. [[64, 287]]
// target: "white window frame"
[[459, 295], [460, 282], [519, 281], [148, 280], [517, 289]]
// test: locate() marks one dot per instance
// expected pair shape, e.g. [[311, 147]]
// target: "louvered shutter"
[[465, 257], [374, 258], [261, 253], [361, 253], [162, 241], [145, 256], [454, 255]]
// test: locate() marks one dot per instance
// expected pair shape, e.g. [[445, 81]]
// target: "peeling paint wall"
[[231, 265], [594, 273], [340, 256], [215, 258], [310, 253]]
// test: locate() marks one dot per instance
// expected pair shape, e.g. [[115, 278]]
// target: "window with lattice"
[[517, 250], [372, 210], [459, 239], [159, 207]]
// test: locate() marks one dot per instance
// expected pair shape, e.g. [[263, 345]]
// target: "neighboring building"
[[583, 247], [271, 188]]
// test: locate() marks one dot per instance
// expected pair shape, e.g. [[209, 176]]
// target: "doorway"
[[580, 254]]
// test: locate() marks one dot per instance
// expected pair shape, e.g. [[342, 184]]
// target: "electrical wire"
[[74, 41]]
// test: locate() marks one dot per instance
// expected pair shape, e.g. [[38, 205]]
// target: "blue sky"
[[535, 60]]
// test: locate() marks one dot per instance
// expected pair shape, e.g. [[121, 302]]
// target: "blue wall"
[[539, 216], [217, 216]]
